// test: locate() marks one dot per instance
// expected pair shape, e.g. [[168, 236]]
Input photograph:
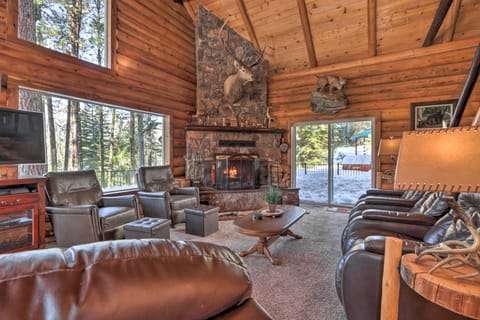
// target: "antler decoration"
[[454, 253]]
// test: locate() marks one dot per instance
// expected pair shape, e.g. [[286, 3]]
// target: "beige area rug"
[[303, 286]]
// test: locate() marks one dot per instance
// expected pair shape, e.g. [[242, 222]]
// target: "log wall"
[[153, 65], [383, 88]]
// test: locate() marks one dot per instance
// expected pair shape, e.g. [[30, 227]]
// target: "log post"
[[391, 279], [467, 89]]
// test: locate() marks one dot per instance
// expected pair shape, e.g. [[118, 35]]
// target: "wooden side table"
[[458, 295]]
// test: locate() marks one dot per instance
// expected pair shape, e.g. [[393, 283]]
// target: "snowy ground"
[[347, 187], [348, 184]]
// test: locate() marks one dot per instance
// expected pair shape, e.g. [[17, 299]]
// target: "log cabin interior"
[[226, 74]]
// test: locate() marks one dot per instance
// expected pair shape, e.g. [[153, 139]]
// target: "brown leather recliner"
[[80, 213], [128, 279], [160, 198], [360, 270], [420, 218]]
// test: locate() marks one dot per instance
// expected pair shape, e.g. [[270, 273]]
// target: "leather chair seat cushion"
[[111, 217], [180, 202]]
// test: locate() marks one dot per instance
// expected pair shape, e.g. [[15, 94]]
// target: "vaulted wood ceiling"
[[302, 34]]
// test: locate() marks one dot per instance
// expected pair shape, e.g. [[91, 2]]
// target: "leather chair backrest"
[[434, 205], [69, 188], [444, 228], [156, 178], [413, 194], [470, 202]]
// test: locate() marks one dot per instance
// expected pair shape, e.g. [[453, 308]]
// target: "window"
[[113, 141], [78, 28]]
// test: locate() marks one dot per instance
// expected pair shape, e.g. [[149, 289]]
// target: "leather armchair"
[[158, 196], [360, 270], [80, 213], [128, 279]]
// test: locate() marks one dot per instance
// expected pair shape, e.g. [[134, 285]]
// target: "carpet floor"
[[303, 285]]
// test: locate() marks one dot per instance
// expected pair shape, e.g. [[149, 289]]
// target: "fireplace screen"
[[236, 171]]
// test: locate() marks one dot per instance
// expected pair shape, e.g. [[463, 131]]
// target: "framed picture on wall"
[[431, 115]]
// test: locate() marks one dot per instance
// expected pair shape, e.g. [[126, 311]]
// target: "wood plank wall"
[[382, 87], [153, 67]]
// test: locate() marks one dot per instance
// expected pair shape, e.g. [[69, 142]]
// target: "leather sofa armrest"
[[358, 210], [75, 224], [187, 190], [369, 227], [401, 202], [398, 216], [120, 201], [387, 193], [376, 244], [155, 204]]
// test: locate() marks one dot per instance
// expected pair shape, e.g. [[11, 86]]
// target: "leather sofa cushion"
[[123, 279]]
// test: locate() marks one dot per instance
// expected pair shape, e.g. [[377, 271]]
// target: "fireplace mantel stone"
[[235, 129]]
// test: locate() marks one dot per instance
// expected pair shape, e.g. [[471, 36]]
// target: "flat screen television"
[[22, 138]]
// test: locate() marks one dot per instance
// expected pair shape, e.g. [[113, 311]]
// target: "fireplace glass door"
[[236, 171]]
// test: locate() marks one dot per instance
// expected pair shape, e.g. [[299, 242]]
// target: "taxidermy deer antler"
[[233, 87], [454, 253]]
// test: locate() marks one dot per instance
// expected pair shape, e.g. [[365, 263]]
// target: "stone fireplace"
[[228, 158], [231, 148]]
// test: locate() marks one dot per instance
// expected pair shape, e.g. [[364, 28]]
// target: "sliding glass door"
[[333, 161]]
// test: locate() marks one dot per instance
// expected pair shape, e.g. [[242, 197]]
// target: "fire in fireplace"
[[236, 171]]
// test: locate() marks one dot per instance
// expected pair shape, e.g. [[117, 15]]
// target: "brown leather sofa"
[[360, 270], [160, 198], [128, 279], [79, 211]]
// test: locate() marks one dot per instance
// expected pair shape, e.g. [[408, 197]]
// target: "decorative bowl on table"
[[266, 212]]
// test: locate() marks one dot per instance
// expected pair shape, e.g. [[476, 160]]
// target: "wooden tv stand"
[[22, 213]]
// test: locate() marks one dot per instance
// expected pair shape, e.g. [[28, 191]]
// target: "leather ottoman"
[[148, 228], [201, 220]]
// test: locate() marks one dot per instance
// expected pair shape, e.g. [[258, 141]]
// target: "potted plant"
[[273, 196]]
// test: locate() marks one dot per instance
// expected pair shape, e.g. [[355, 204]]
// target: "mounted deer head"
[[234, 85]]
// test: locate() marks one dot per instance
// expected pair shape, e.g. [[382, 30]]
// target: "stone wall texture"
[[216, 54]]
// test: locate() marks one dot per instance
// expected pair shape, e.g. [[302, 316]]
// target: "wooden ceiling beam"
[[453, 20], [191, 11], [437, 21], [248, 23], [307, 32], [467, 89], [372, 28]]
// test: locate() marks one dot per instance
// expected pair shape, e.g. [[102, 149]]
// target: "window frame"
[[166, 141], [12, 35]]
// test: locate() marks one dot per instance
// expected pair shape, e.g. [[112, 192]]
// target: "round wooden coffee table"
[[269, 229]]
